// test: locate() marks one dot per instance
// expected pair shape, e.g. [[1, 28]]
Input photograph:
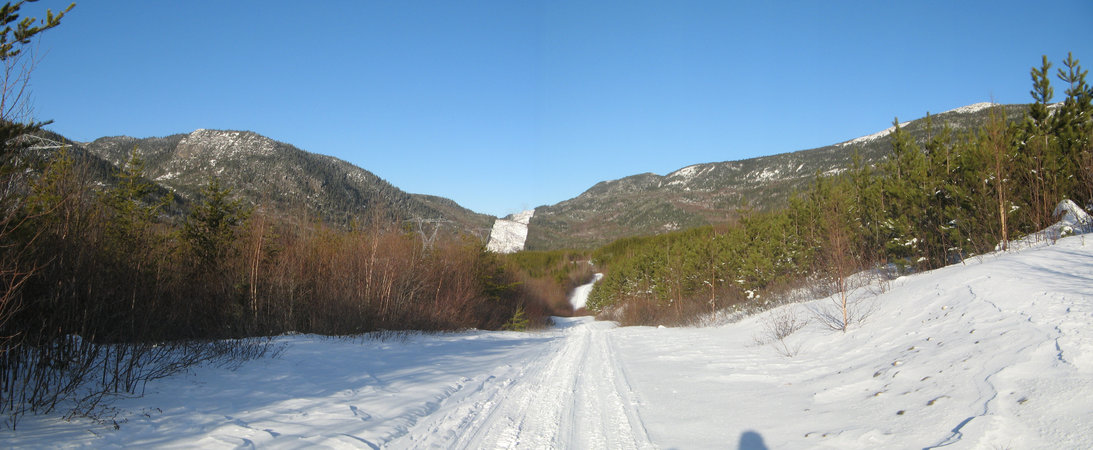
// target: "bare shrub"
[[779, 324], [644, 310], [843, 310]]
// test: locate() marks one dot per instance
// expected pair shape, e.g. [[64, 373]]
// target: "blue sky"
[[508, 105]]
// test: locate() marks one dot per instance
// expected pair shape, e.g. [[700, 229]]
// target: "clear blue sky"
[[507, 105]]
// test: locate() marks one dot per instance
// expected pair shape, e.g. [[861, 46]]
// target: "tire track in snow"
[[573, 394]]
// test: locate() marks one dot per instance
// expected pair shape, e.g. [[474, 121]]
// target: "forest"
[[929, 204]]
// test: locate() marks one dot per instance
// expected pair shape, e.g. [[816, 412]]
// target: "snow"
[[974, 107], [683, 176], [767, 175], [994, 353], [579, 297], [872, 137], [509, 235], [1073, 219], [227, 143]]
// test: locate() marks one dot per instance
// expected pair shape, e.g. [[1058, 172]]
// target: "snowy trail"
[[574, 392]]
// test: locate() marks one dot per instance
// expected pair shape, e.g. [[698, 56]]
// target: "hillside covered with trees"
[[929, 203]]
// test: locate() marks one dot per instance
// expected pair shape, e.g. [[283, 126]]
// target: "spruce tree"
[[1074, 130], [905, 198], [212, 227]]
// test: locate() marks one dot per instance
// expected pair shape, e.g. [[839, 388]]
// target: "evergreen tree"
[[15, 34], [132, 211], [866, 204], [1074, 130], [995, 145], [1036, 159], [1041, 93], [905, 200], [212, 227]]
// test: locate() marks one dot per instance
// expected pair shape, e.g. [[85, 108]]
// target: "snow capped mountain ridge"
[[974, 107], [872, 137], [227, 143]]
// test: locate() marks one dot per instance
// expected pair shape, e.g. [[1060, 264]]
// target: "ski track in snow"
[[573, 392]]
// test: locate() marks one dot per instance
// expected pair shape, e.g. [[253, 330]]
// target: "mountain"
[[712, 193], [277, 175]]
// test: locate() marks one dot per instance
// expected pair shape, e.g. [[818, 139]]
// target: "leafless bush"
[[843, 310], [779, 324], [645, 310]]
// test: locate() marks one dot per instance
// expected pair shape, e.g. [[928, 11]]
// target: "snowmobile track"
[[574, 393]]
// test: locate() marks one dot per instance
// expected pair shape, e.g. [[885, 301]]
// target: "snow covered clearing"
[[509, 235], [997, 353]]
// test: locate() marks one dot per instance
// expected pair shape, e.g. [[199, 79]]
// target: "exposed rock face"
[[509, 234]]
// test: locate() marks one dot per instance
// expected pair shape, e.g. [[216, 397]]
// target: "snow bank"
[[997, 353], [1072, 220]]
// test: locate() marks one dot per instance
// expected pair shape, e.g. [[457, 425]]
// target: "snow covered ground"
[[509, 235], [997, 353]]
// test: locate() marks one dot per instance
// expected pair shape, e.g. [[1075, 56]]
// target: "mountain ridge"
[[715, 192], [264, 171]]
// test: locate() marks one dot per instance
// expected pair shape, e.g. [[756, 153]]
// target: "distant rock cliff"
[[509, 234]]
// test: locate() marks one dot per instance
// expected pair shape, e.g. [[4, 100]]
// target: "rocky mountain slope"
[[294, 182], [713, 193], [282, 177]]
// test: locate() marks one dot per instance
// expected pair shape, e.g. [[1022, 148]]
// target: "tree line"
[[105, 286], [100, 284], [929, 203]]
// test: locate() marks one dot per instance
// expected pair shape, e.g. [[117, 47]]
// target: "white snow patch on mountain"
[[974, 107], [872, 137], [683, 176], [509, 235], [767, 174]]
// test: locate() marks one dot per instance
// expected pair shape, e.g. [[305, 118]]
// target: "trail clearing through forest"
[[995, 353], [575, 391]]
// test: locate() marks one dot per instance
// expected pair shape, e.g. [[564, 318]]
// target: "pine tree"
[[1036, 158], [1074, 130], [15, 35], [905, 201], [212, 227], [132, 210], [996, 148]]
